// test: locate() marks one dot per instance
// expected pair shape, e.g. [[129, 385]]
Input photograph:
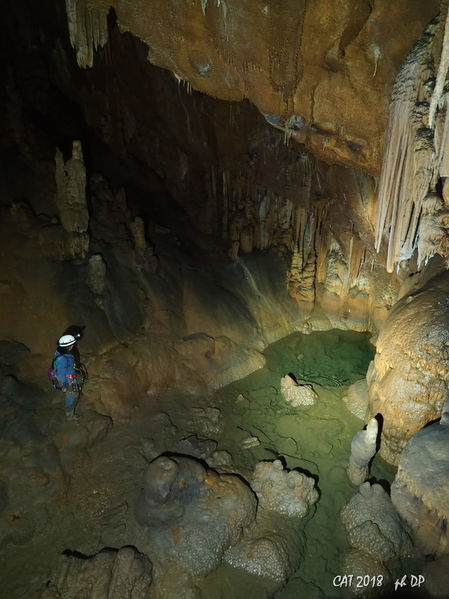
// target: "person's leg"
[[71, 399]]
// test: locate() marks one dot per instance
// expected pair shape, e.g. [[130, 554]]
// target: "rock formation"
[[421, 486], [186, 234], [190, 516], [408, 380], [375, 532], [96, 274], [347, 48], [356, 399], [71, 200], [287, 492], [297, 394], [363, 449], [272, 548]]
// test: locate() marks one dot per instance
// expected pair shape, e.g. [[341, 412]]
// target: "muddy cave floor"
[[89, 505]]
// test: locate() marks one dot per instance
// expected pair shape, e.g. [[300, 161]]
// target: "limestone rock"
[[408, 383], [144, 253], [250, 442], [360, 563], [192, 515], [221, 460], [421, 486], [56, 243], [96, 274], [71, 196], [122, 574], [197, 447], [266, 556], [290, 493], [373, 525], [363, 448], [347, 49], [297, 394], [273, 546], [88, 29], [356, 399]]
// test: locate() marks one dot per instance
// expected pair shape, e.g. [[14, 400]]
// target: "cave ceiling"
[[323, 71]]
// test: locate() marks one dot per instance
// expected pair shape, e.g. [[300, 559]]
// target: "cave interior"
[[238, 210]]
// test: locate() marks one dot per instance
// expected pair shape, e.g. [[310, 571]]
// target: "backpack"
[[53, 375]]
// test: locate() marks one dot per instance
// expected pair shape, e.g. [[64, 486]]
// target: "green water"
[[315, 438]]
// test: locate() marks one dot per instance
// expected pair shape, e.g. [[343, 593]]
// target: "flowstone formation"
[[356, 399], [189, 517], [297, 394], [376, 534], [273, 546], [193, 520], [408, 380], [420, 490], [290, 493]]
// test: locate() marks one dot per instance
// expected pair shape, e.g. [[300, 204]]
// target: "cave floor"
[[314, 439], [84, 500]]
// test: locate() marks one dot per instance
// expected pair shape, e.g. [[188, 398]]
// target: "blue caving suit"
[[69, 380]]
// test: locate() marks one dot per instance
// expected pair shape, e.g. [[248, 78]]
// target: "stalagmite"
[[96, 274], [71, 199], [363, 448]]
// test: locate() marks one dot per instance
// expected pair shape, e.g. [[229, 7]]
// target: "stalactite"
[[442, 138], [442, 69], [408, 165], [322, 254], [88, 29], [356, 258]]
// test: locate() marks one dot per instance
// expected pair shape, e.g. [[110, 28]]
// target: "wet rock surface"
[[375, 532], [297, 394], [363, 449], [356, 399], [420, 489], [407, 383], [193, 515], [288, 493]]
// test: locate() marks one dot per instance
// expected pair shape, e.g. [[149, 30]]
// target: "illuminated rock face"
[[321, 71], [363, 448], [375, 532], [193, 515], [421, 487], [408, 381], [288, 493]]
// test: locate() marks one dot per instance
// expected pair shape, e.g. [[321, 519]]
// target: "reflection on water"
[[316, 439]]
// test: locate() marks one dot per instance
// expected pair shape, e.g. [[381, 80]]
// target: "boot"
[[70, 414]]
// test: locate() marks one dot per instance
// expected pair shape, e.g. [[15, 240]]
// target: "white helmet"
[[67, 340]]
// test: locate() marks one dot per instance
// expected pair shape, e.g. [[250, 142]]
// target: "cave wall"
[[217, 166], [186, 196]]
